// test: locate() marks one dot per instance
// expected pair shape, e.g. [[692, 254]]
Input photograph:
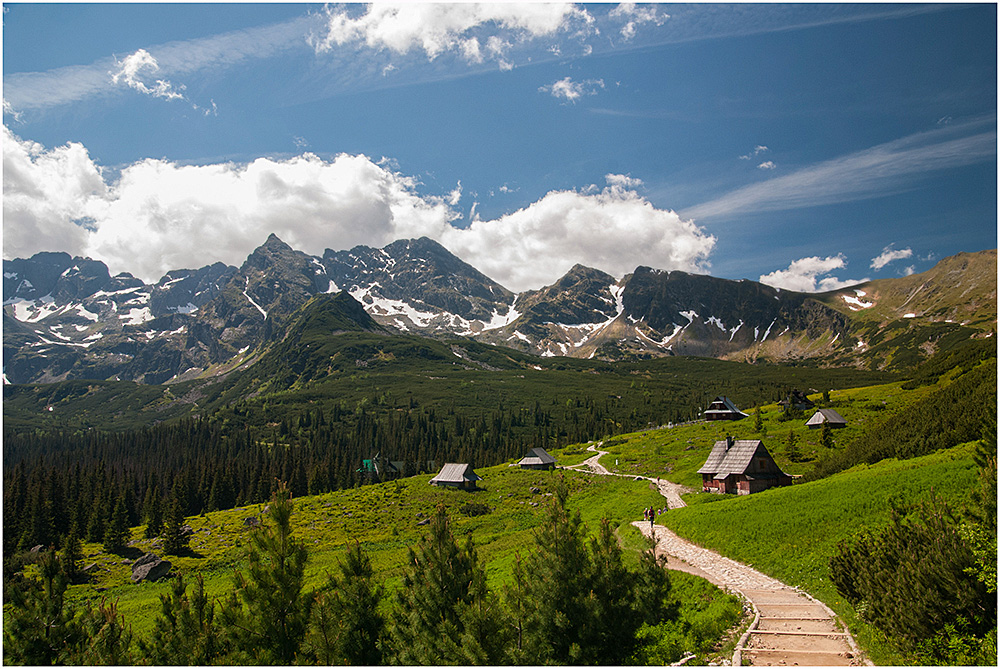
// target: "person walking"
[[652, 515]]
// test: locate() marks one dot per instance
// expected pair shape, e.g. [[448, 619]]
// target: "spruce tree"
[[791, 447], [37, 626], [826, 436], [614, 621], [116, 536], [72, 554], [152, 512], [175, 541]]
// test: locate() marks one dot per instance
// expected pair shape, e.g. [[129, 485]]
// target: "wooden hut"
[[741, 466], [722, 408], [537, 458], [457, 475], [828, 416], [797, 400]]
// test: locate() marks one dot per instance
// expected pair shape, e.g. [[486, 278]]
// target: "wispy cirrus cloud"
[[874, 172], [29, 91]]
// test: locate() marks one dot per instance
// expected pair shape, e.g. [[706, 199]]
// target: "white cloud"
[[614, 230], [871, 173], [570, 90], [757, 150], [635, 15], [438, 28], [44, 193], [134, 71], [767, 165], [888, 255], [806, 275], [160, 216]]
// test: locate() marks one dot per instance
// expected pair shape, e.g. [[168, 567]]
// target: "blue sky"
[[809, 146]]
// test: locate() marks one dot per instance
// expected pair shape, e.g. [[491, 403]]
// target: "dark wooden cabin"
[[742, 467], [722, 408]]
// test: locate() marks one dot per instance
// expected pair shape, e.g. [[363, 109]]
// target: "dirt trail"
[[789, 628]]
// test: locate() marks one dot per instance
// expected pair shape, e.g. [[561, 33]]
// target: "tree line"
[[571, 600]]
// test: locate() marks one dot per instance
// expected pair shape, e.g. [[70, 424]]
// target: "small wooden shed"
[[828, 416], [797, 400], [537, 458], [722, 408], [742, 467], [457, 475]]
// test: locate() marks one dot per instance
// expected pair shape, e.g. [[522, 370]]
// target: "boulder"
[[251, 521], [149, 568]]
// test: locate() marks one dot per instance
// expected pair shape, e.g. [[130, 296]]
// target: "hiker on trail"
[[652, 515], [645, 514]]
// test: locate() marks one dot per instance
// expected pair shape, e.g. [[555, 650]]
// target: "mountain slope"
[[68, 318]]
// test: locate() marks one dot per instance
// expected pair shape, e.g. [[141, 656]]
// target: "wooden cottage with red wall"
[[741, 466]]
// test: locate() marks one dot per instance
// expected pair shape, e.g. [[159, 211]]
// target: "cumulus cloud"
[[767, 165], [536, 245], [134, 72], [47, 194], [888, 255], [570, 90], [159, 216], [805, 275], [439, 28]]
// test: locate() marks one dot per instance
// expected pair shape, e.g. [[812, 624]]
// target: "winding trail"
[[789, 628]]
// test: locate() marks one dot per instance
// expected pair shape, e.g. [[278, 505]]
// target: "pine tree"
[[268, 611], [184, 632], [346, 626], [758, 421], [37, 627], [557, 613], [439, 580], [611, 637]]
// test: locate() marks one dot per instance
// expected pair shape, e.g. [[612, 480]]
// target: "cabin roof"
[[723, 405], [826, 415], [537, 456], [734, 459], [455, 472]]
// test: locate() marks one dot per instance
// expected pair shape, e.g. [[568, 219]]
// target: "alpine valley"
[[67, 318]]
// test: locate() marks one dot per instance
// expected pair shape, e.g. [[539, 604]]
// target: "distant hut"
[[828, 416], [537, 458], [377, 469], [797, 400], [457, 475], [741, 466], [722, 408]]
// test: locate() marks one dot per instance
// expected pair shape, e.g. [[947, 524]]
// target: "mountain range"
[[68, 318]]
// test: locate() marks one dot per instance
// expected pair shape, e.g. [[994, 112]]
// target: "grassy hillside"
[[676, 453], [791, 533], [385, 519]]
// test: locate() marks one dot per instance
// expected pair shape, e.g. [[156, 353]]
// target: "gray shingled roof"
[[722, 462], [454, 472], [826, 415], [537, 456]]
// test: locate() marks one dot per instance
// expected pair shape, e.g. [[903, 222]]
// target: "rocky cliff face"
[[67, 317]]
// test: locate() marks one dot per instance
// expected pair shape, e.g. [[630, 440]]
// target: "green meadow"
[[384, 518]]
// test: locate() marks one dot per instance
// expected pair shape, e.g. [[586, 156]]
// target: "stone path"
[[790, 627]]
